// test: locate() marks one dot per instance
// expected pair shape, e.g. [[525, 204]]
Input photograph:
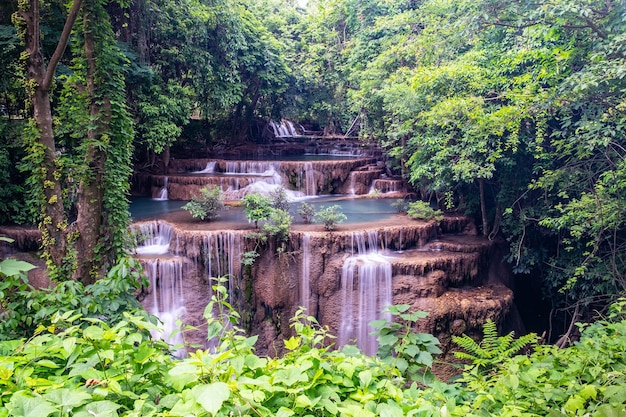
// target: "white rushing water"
[[366, 291], [165, 275]]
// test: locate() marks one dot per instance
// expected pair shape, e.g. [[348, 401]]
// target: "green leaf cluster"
[[207, 205], [330, 216]]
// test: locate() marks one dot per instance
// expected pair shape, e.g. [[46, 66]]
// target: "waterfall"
[[305, 287], [366, 291], [351, 190], [166, 279], [284, 129], [309, 176], [167, 302], [210, 168], [163, 192], [152, 238], [222, 252]]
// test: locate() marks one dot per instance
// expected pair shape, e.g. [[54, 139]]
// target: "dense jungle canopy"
[[512, 111]]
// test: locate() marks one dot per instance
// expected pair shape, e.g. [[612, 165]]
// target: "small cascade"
[[222, 252], [152, 238], [305, 285], [163, 192], [262, 168], [351, 190], [284, 129], [167, 301], [366, 291], [386, 186], [210, 168], [309, 176]]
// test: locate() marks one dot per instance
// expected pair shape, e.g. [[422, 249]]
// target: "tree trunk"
[[89, 220], [483, 208], [54, 221]]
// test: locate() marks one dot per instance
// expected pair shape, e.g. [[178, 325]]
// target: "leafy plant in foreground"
[[399, 346]]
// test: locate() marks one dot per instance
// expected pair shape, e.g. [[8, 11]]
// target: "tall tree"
[[79, 248]]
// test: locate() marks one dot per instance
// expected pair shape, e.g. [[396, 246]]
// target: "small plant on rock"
[[401, 205], [207, 205], [306, 211], [421, 210], [331, 216], [279, 199], [258, 207]]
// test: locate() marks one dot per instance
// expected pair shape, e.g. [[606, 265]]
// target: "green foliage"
[[80, 366], [401, 205], [279, 199], [207, 205], [306, 211], [277, 224], [331, 216], [24, 307], [421, 210], [588, 378], [399, 346], [258, 207], [163, 111], [492, 349]]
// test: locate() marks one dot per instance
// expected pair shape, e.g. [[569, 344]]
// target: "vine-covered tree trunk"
[[90, 201], [84, 249], [40, 77]]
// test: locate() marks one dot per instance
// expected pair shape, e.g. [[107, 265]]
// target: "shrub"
[[306, 211], [279, 199], [277, 224], [401, 205], [331, 216], [258, 207], [206, 205], [421, 210]]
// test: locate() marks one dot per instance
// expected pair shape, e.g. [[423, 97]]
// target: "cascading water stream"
[[209, 169], [165, 275], [163, 196], [168, 303], [222, 252], [366, 292], [152, 238], [309, 177]]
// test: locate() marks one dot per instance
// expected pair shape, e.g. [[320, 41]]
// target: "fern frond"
[[493, 349]]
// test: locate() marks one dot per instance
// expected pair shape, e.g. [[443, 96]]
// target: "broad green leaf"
[[182, 374], [211, 396], [389, 409], [11, 267], [302, 401], [23, 406], [103, 408], [93, 333], [284, 412], [290, 376], [67, 398], [292, 343], [365, 378]]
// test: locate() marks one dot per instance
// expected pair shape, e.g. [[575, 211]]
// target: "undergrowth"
[[83, 364]]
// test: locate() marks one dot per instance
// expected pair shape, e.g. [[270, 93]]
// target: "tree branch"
[[63, 41]]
